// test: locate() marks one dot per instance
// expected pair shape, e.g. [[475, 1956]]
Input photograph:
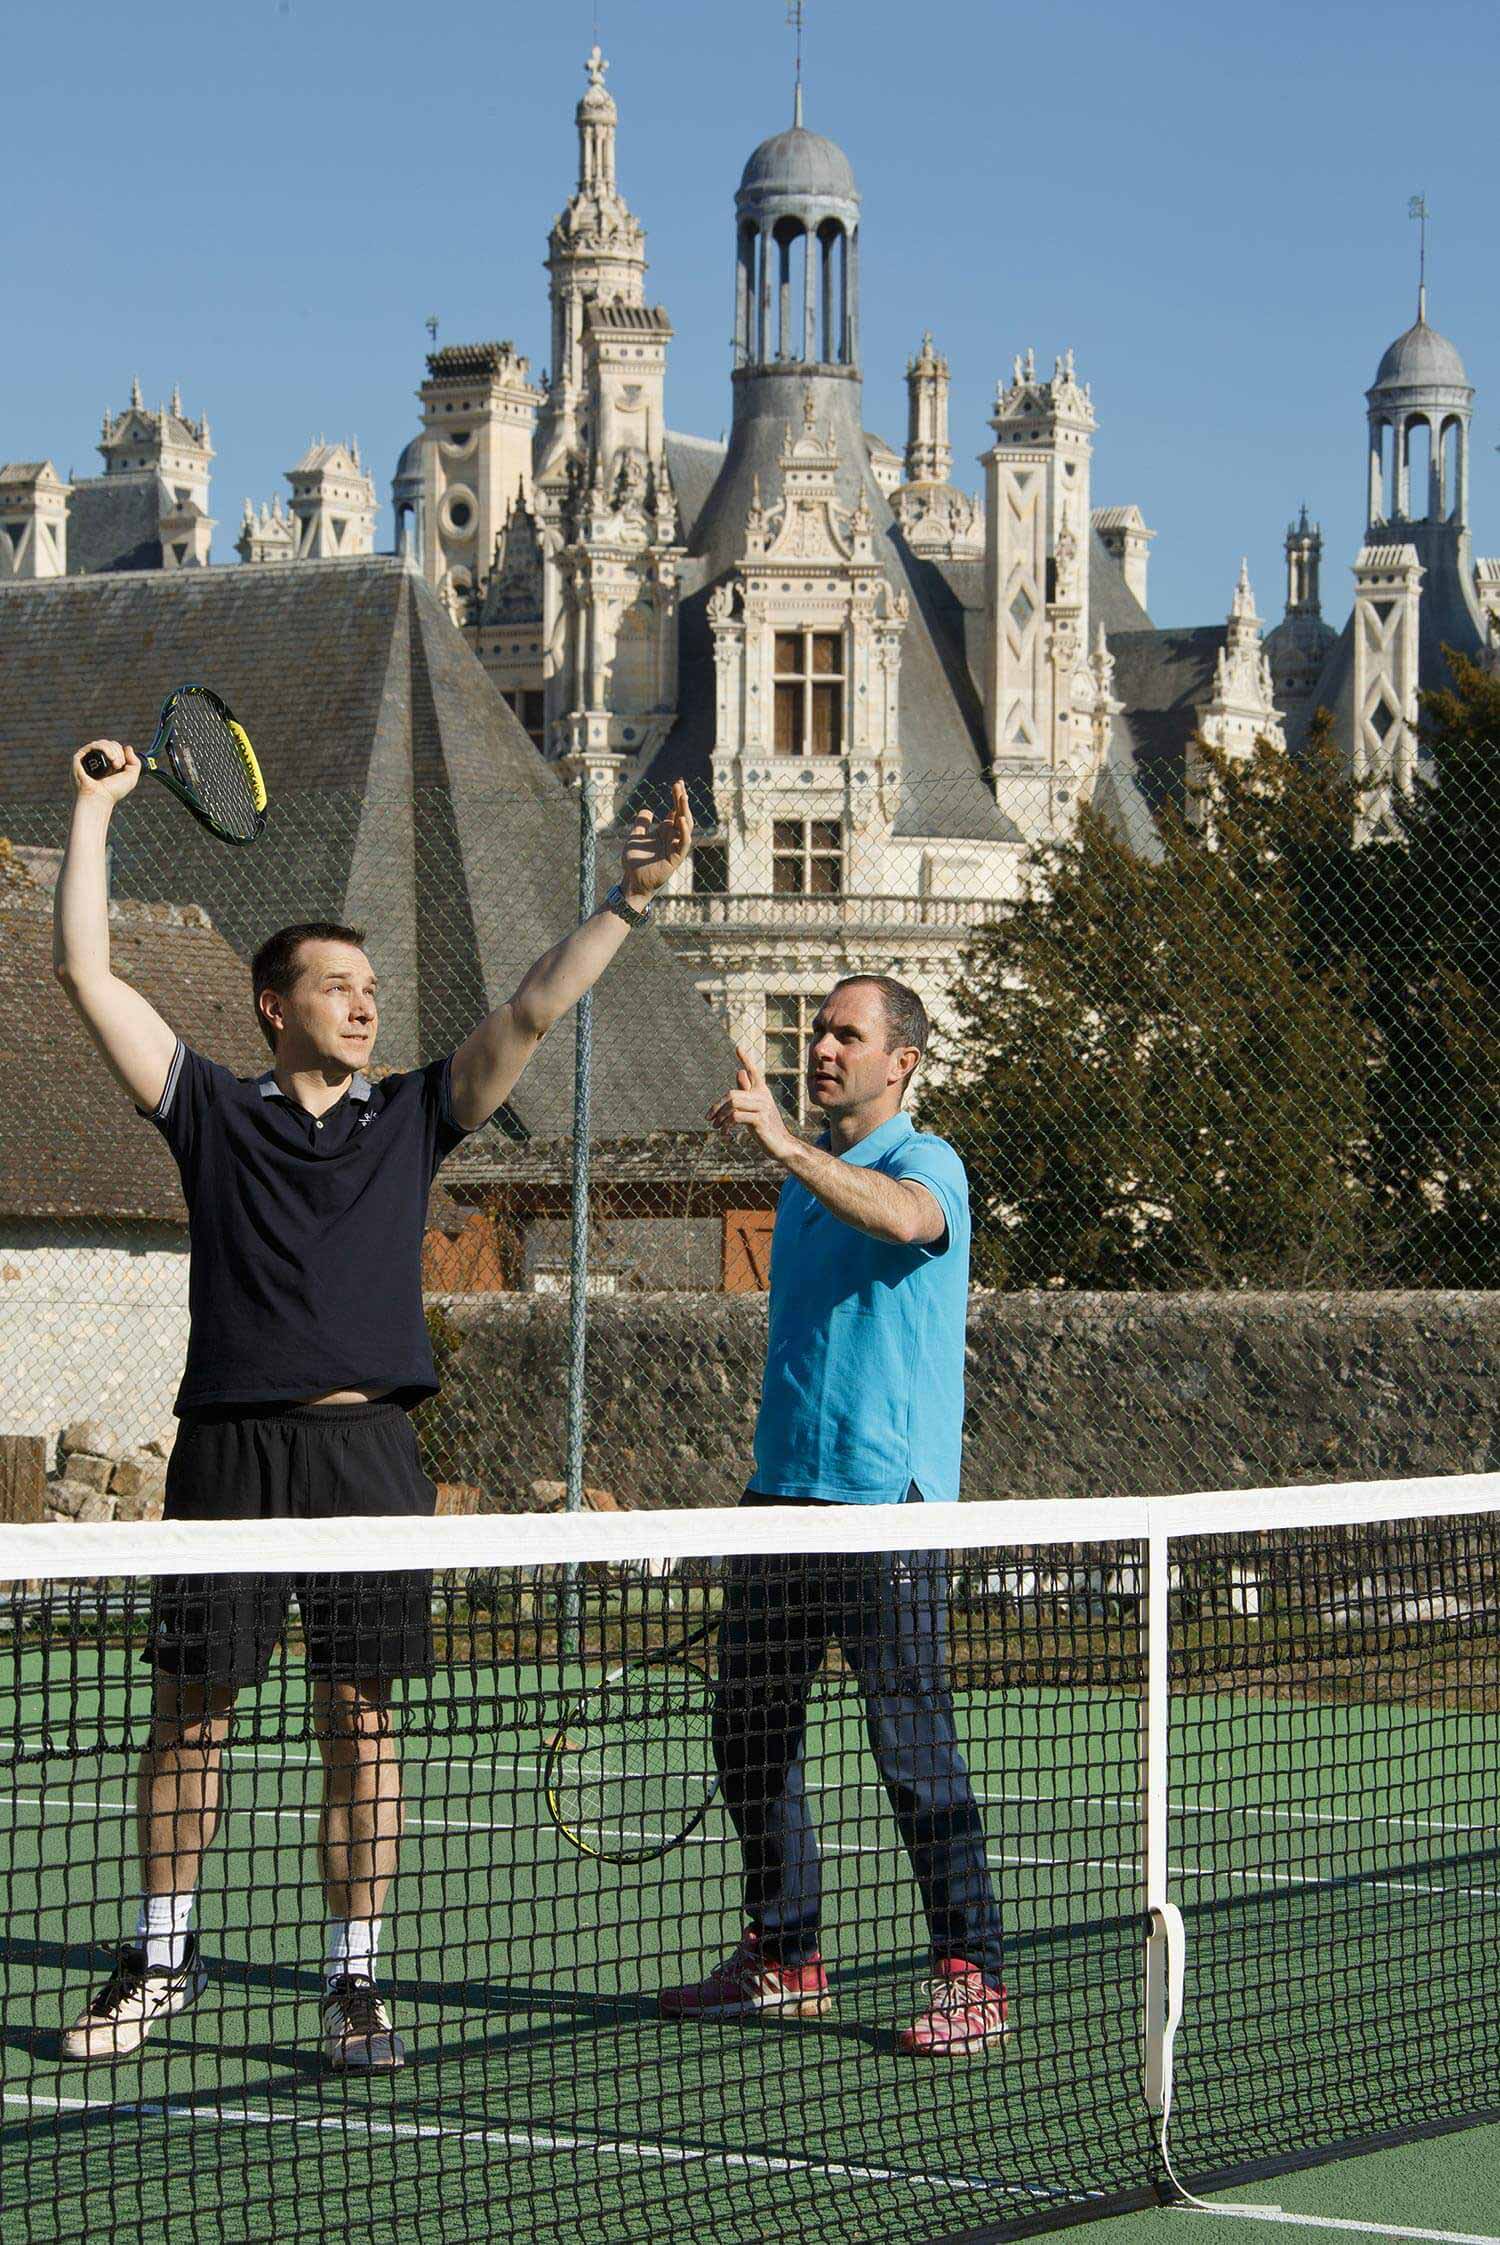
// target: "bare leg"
[[359, 1834], [177, 1788]]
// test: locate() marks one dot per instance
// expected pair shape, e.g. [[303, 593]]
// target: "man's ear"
[[269, 1007]]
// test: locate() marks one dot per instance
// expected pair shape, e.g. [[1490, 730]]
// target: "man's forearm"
[[866, 1198], [561, 976], [80, 915]]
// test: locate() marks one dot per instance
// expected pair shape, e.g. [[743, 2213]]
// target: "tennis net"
[[1063, 1746]]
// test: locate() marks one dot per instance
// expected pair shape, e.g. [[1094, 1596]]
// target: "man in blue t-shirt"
[[306, 1190], [862, 1403]]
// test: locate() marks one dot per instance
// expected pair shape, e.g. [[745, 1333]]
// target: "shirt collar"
[[269, 1088], [880, 1141]]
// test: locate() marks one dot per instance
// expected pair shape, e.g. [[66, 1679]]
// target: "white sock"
[[352, 1943], [162, 1926]]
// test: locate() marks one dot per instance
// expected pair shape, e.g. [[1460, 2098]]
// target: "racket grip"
[[98, 765]]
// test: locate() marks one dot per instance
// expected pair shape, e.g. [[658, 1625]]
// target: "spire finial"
[[135, 390], [596, 64], [795, 17], [1243, 604], [1417, 209]]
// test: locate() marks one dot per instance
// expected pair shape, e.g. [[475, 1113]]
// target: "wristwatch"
[[631, 914]]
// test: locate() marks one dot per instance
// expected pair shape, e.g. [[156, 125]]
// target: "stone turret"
[[1242, 709], [333, 502], [596, 254], [1039, 693], [267, 534], [1299, 646], [33, 521], [936, 520]]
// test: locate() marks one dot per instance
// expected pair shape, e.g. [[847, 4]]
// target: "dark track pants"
[[887, 1612]]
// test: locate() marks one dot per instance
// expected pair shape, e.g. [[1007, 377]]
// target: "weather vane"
[[1417, 209], [795, 17], [432, 326]]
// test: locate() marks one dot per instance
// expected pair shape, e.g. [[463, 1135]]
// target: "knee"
[[355, 1728]]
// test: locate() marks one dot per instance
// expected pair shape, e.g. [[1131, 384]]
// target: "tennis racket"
[[204, 756], [630, 1769]]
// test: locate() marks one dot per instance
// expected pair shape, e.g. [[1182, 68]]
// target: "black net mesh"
[[916, 1776]]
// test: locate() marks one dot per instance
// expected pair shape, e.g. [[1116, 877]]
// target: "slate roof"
[[799, 162], [1420, 358], [1163, 678], [1111, 601], [425, 814], [693, 463], [88, 1155], [114, 522]]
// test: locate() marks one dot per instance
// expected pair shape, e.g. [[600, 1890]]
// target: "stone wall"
[[1070, 1395], [93, 1325], [97, 1476]]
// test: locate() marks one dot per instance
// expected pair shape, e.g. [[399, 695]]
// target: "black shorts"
[[294, 1462]]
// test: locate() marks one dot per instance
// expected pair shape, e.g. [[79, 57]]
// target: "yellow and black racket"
[[203, 754], [630, 1768]]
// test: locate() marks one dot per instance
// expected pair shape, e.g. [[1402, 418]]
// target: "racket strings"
[[213, 757]]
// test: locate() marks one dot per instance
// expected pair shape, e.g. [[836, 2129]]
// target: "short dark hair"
[[275, 964], [906, 1020]]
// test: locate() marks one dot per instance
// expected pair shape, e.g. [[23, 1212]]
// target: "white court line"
[[1271, 1879], [537, 2141], [1280, 2215], [1308, 1817]]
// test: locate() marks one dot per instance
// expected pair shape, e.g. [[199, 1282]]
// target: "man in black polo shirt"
[[307, 1195]]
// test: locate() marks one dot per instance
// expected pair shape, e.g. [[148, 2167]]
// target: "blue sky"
[[264, 199]]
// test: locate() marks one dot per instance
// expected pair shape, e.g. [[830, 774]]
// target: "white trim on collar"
[[360, 1088]]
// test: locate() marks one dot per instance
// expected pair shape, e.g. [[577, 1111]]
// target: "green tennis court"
[[1342, 1900]]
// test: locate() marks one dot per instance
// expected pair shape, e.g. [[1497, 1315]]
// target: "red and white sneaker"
[[964, 2012], [750, 1982]]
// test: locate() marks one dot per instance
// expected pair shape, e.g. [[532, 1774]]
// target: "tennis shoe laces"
[[749, 1982], [964, 2012], [132, 2001], [357, 2033]]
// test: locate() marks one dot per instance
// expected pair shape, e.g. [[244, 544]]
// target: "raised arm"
[[136, 1043], [898, 1210], [488, 1063]]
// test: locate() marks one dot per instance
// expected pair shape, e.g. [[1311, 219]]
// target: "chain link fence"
[[1227, 1088]]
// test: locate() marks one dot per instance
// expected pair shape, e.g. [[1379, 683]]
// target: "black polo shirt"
[[306, 1265]]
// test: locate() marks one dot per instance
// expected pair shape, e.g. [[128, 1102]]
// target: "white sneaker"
[[133, 2001], [357, 2033]]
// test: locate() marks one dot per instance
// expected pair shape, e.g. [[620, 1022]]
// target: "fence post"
[[578, 1257], [23, 1477]]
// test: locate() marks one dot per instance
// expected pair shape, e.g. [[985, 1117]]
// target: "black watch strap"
[[629, 913]]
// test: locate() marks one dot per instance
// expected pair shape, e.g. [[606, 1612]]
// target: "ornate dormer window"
[[807, 628], [809, 682], [807, 634]]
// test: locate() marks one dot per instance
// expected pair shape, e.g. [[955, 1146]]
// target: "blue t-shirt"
[[864, 1387]]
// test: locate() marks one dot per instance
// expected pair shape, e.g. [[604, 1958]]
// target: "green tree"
[[1433, 947], [1161, 1070]]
